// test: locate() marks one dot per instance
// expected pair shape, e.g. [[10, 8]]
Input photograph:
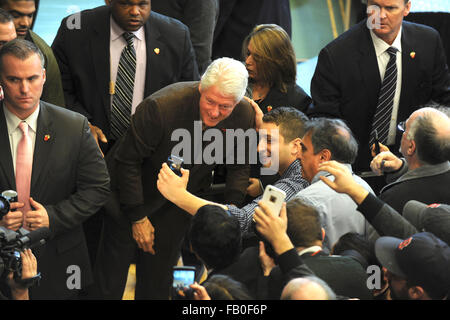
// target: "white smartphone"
[[274, 198]]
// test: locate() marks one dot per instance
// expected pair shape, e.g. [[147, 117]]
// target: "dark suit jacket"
[[343, 274], [347, 80], [238, 17], [295, 97], [148, 144], [70, 179], [200, 16], [426, 187], [83, 58]]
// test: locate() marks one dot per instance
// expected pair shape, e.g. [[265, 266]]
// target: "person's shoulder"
[[38, 41], [419, 30], [349, 37], [166, 23], [62, 115]]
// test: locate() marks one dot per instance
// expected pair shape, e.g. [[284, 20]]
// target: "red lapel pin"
[[46, 137]]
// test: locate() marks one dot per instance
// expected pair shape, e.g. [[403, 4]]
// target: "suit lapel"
[[101, 57], [368, 66], [410, 73], [45, 138], [154, 64], [6, 165]]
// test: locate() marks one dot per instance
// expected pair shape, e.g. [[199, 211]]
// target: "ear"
[[323, 234], [416, 293], [325, 155], [44, 74], [200, 87], [296, 147], [411, 148], [408, 9]]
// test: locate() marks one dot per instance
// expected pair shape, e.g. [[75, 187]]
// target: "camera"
[[6, 198], [175, 163], [11, 244]]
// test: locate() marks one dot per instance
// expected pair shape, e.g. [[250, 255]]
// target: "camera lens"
[[4, 206]]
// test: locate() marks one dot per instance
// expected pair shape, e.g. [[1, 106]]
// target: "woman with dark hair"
[[270, 61]]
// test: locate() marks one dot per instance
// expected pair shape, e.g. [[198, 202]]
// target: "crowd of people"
[[94, 121]]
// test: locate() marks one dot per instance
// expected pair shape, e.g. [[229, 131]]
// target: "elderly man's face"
[[22, 82], [215, 107], [7, 33]]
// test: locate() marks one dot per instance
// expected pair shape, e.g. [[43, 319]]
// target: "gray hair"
[[229, 75], [299, 284], [433, 147], [334, 135], [21, 49]]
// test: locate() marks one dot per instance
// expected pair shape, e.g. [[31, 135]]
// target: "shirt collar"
[[325, 173], [12, 121], [310, 249], [381, 46], [117, 31]]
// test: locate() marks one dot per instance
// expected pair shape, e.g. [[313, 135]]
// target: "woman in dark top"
[[270, 61]]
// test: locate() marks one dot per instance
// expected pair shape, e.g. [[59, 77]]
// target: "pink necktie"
[[24, 163]]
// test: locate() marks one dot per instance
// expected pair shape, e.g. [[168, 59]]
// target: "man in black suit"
[[182, 111], [350, 71], [89, 56], [68, 180]]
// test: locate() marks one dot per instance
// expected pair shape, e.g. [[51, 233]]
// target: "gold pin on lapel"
[[412, 54], [156, 50], [46, 137]]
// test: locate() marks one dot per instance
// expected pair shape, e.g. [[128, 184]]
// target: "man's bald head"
[[307, 288], [430, 130]]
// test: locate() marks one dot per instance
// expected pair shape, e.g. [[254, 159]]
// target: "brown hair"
[[273, 55]]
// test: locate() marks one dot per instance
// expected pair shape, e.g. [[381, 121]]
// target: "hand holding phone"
[[274, 198], [183, 277]]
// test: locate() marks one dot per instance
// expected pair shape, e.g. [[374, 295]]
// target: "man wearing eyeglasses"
[[424, 173]]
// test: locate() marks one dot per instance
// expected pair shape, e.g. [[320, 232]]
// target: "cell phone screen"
[[183, 278]]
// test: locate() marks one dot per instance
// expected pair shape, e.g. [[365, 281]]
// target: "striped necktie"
[[123, 90], [383, 113]]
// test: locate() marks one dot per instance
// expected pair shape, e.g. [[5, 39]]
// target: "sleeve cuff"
[[134, 213]]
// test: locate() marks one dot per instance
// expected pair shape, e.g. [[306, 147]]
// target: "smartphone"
[[377, 143], [274, 198], [183, 277]]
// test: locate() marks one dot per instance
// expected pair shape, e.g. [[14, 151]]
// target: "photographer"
[[17, 290]]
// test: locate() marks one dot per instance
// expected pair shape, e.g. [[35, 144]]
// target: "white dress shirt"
[[116, 45], [14, 132], [383, 59]]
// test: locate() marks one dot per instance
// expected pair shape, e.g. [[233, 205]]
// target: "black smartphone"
[[377, 143], [183, 277], [175, 163]]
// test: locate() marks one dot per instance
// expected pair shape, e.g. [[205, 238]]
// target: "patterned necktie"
[[24, 164], [123, 90], [383, 113]]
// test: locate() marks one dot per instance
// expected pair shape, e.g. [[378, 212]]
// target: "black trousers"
[[117, 249]]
